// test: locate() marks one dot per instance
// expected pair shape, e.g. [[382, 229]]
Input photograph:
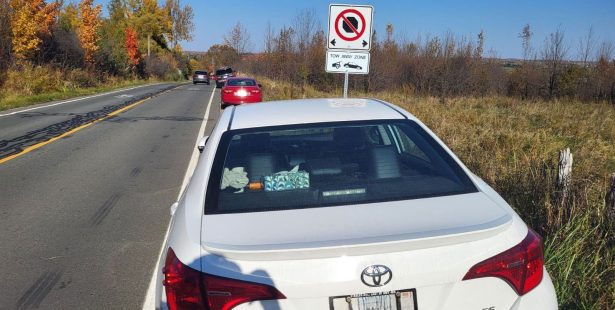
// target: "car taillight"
[[224, 293], [182, 284], [256, 91], [520, 266], [227, 91], [187, 288]]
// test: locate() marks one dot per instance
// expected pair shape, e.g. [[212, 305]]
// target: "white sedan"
[[343, 204]]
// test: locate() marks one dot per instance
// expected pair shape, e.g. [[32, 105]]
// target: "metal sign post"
[[346, 84], [349, 40]]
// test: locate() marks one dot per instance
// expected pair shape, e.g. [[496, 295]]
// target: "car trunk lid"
[[353, 229]]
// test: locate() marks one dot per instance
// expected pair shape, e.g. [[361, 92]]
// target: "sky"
[[501, 21]]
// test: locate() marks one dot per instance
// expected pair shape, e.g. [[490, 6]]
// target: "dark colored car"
[[240, 90], [200, 76], [352, 65], [336, 65], [222, 74]]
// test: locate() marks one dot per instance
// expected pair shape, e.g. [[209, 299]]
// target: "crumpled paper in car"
[[235, 178]]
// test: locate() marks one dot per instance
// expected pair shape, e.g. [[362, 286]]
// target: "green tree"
[[152, 23], [68, 17], [112, 53]]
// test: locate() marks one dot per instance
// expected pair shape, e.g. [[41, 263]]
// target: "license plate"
[[396, 300]]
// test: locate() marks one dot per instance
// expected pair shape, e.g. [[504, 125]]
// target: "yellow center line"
[[72, 131]]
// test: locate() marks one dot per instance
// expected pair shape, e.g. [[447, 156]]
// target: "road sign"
[[350, 27], [344, 61]]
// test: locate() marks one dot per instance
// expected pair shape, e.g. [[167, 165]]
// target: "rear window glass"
[[241, 82], [309, 166], [224, 71], [200, 72]]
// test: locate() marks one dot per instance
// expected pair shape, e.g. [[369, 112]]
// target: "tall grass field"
[[513, 145]]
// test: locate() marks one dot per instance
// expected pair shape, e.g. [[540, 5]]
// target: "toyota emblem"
[[376, 275]]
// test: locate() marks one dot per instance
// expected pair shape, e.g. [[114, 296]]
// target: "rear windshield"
[[200, 72], [224, 71], [241, 82], [310, 166]]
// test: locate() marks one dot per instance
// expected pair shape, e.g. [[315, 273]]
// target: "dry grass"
[[34, 84], [513, 145]]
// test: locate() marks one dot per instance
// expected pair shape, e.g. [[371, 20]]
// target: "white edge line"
[[77, 99], [149, 302]]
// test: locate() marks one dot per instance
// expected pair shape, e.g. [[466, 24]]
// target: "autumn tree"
[[238, 38], [553, 54], [31, 20], [89, 23], [5, 38], [132, 47], [526, 39], [150, 21], [181, 19], [586, 46], [525, 81], [221, 55]]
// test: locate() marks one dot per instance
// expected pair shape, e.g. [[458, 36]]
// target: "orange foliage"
[[31, 20], [132, 48], [89, 22]]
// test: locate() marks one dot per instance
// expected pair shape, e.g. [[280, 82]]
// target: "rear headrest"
[[348, 138], [384, 163], [324, 166]]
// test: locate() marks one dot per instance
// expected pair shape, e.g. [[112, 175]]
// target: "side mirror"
[[260, 85], [174, 207], [201, 145]]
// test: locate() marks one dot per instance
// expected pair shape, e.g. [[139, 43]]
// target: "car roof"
[[306, 111]]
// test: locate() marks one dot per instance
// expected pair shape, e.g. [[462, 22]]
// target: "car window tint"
[[241, 82], [306, 166], [200, 72]]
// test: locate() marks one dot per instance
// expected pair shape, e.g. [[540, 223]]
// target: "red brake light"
[[521, 266], [182, 284], [227, 91], [225, 294], [187, 288], [256, 91]]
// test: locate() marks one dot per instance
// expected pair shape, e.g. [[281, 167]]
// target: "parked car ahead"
[[343, 204], [238, 90], [200, 77], [222, 74]]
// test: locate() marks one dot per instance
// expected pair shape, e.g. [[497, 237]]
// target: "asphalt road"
[[82, 218]]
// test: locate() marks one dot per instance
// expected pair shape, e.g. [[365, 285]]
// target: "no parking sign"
[[350, 27]]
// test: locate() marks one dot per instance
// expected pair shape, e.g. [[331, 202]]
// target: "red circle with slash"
[[357, 33]]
